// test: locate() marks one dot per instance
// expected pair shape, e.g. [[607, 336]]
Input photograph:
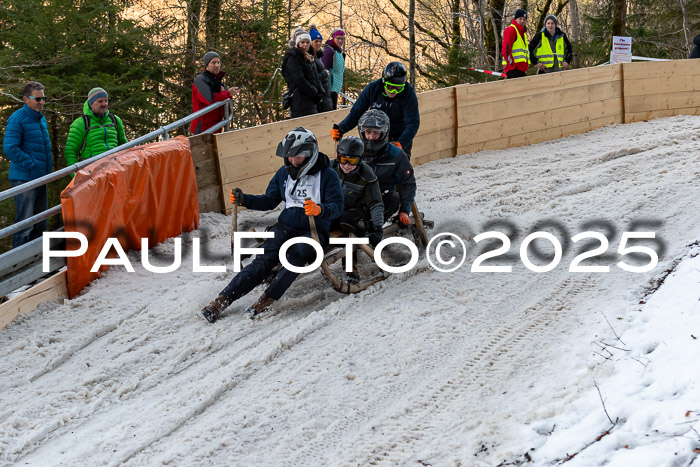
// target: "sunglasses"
[[393, 88], [38, 99], [352, 160]]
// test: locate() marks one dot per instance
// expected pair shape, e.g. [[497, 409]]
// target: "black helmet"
[[374, 119], [299, 142], [351, 146], [395, 73]]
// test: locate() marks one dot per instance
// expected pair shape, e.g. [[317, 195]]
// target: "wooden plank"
[[436, 121], [677, 100], [210, 199], [540, 136], [207, 173], [434, 156], [434, 142], [254, 186], [512, 90], [650, 115], [552, 99], [202, 147], [433, 101], [536, 121], [50, 289], [641, 70], [663, 85]]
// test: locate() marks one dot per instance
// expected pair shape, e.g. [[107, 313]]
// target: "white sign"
[[621, 50]]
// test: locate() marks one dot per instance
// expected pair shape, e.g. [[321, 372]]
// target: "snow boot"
[[354, 276], [212, 311], [259, 307]]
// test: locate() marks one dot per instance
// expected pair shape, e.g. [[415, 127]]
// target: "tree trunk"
[[619, 17], [456, 41], [212, 15], [412, 40], [494, 29]]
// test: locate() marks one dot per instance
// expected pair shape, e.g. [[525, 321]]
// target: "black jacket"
[[695, 53], [537, 40], [361, 190], [393, 168], [303, 82], [326, 104], [402, 110]]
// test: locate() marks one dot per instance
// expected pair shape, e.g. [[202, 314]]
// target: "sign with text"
[[622, 50]]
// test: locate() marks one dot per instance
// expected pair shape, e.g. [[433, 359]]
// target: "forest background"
[[146, 54]]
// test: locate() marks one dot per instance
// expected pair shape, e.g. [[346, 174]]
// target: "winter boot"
[[354, 276], [259, 307], [212, 311]]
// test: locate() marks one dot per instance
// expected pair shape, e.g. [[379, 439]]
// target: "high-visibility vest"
[[520, 52], [544, 52]]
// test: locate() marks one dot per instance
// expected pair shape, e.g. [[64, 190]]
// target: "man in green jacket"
[[96, 131]]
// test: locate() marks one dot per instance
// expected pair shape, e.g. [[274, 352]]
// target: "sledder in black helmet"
[[395, 73], [298, 142], [374, 119]]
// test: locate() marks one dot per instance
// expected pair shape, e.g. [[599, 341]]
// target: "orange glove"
[[397, 144], [336, 132], [311, 208], [403, 218]]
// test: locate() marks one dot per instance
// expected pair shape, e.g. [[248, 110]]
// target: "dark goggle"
[[352, 160], [394, 88], [38, 99]]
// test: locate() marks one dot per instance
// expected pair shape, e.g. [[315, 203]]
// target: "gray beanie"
[[553, 18], [208, 57]]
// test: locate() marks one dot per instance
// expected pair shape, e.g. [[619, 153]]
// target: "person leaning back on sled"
[[306, 173]]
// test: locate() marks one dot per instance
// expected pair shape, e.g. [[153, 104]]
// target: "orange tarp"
[[145, 192]]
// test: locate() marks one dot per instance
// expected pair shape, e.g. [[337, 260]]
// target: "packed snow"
[[425, 368]]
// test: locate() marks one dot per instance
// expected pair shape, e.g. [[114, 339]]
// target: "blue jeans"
[[28, 204]]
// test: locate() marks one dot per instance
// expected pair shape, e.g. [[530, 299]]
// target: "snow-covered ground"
[[425, 368]]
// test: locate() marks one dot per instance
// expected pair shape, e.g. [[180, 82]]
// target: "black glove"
[[236, 196], [375, 237]]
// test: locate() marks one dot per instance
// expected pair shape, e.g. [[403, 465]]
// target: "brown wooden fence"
[[471, 118]]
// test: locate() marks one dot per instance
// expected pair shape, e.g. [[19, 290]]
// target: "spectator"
[[395, 97], [695, 53], [550, 51], [516, 56], [27, 146], [317, 45], [300, 72], [308, 187], [97, 131], [334, 62], [208, 88]]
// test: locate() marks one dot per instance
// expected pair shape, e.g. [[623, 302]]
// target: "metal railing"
[[19, 257]]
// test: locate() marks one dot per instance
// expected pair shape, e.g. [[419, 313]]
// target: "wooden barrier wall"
[[488, 116], [661, 89]]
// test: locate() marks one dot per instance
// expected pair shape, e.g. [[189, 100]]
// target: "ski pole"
[[488, 72]]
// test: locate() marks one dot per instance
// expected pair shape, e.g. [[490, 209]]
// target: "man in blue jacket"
[[395, 97], [28, 148], [306, 173]]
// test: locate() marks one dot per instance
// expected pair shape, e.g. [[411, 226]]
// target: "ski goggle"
[[393, 88], [352, 160]]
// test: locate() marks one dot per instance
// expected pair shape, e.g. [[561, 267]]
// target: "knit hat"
[[301, 37], [96, 93], [553, 18], [520, 13], [208, 57], [313, 32], [336, 33]]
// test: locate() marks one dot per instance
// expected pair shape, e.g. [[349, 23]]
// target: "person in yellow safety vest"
[[550, 50], [516, 56]]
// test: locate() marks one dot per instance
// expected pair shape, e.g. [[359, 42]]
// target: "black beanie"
[[520, 13]]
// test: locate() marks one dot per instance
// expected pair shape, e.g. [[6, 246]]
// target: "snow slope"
[[425, 368]]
